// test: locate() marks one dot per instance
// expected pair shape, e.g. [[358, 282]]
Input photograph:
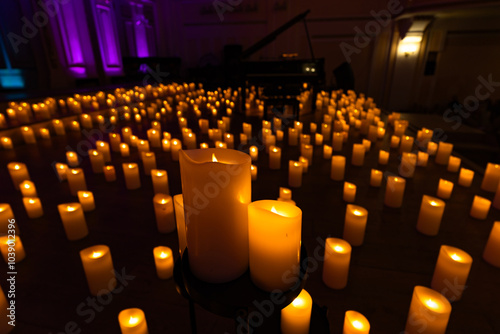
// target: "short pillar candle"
[[430, 215], [452, 268], [337, 261], [99, 271]]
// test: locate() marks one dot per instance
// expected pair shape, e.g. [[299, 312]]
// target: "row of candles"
[[350, 232]]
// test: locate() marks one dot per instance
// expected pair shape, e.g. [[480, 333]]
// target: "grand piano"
[[286, 76]]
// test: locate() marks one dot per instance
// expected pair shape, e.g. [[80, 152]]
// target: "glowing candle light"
[[274, 234], [337, 141], [115, 141], [453, 164], [132, 321], [492, 249], [294, 174], [18, 173], [349, 192], [355, 323], [432, 148], [337, 168], [445, 188], [58, 127], [394, 191], [395, 141], [164, 212], [491, 177], [73, 220], [275, 158], [293, 137], [337, 261], [480, 207], [358, 154], [159, 178], [327, 152], [430, 215], [406, 144], [12, 248], [28, 189], [98, 266], [408, 164], [175, 148], [429, 308], [422, 158], [355, 224], [383, 157], [131, 173], [254, 153], [180, 222], [103, 148], [376, 178], [164, 262], [465, 177], [443, 153], [253, 172], [28, 135], [76, 180], [75, 126], [96, 161], [279, 135], [126, 133], [452, 267], [7, 143], [148, 162], [86, 199], [296, 317], [33, 207]]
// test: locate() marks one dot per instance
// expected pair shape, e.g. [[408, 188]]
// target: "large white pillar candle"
[[164, 262], [73, 220], [215, 181], [337, 262], [98, 266], [355, 224], [430, 215], [76, 180], [452, 270], [337, 168], [132, 321], [180, 222], [394, 191], [131, 173], [296, 317], [429, 312], [164, 212], [274, 235], [18, 173], [491, 252]]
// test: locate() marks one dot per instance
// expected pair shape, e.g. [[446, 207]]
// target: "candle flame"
[[17, 167], [432, 304], [27, 186], [357, 213], [252, 167], [124, 145], [433, 203], [163, 201], [85, 194], [31, 201], [275, 149], [130, 166], [62, 167], [26, 128], [163, 255], [273, 209], [338, 248], [133, 320], [298, 302], [357, 324], [96, 255], [5, 140], [70, 208], [296, 164], [214, 159], [456, 257], [159, 174], [95, 153]]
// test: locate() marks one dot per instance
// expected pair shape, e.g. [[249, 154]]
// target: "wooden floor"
[[52, 294]]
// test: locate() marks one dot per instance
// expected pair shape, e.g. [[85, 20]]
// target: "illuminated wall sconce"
[[410, 45]]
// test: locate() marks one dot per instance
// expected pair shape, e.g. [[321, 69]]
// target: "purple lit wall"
[[68, 27], [107, 36], [141, 41], [139, 29]]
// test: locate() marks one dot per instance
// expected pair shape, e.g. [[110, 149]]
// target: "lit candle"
[[86, 199], [432, 148], [221, 257], [203, 124], [496, 199], [355, 323], [109, 173], [18, 173], [58, 127], [337, 141], [358, 154], [76, 180], [75, 126], [154, 137], [229, 140], [45, 134], [190, 141], [296, 317], [336, 265], [305, 164], [293, 137], [148, 162], [115, 141], [61, 170], [279, 135], [453, 164], [376, 178], [33, 207], [131, 173], [406, 144], [367, 144], [160, 181], [445, 188], [247, 129], [164, 262], [253, 172], [408, 164], [349, 193], [180, 222], [73, 220], [465, 177], [492, 248], [355, 224], [126, 133], [175, 147], [430, 215], [380, 132], [165, 144], [443, 153], [204, 145], [394, 191], [7, 143], [28, 189], [480, 207], [96, 160], [164, 212], [72, 159], [12, 245], [275, 158], [491, 177], [28, 135], [243, 139], [254, 153], [99, 271], [383, 157], [429, 312], [132, 321], [422, 158], [274, 251], [337, 168], [103, 148], [395, 141], [452, 269], [327, 152], [86, 121], [318, 139], [285, 194], [294, 174]]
